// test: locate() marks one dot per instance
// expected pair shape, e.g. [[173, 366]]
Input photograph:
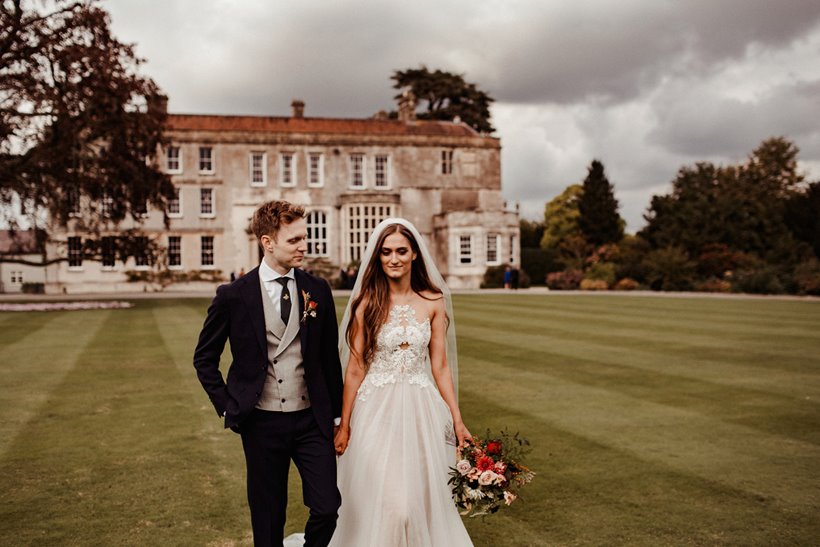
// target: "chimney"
[[298, 107], [407, 106]]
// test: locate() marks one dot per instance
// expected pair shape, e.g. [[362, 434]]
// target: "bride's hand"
[[462, 433], [340, 440]]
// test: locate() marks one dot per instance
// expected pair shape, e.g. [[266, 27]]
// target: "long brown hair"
[[375, 292]]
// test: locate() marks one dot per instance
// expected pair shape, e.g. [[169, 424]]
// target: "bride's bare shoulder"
[[432, 296], [433, 303]]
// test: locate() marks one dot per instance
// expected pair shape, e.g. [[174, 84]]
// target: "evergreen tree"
[[598, 218]]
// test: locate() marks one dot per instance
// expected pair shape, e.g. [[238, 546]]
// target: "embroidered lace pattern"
[[401, 352]]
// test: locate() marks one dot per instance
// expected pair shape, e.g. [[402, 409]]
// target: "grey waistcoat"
[[285, 389]]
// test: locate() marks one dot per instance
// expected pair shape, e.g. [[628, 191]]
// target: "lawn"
[[654, 421]]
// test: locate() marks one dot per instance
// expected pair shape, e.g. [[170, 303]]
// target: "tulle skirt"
[[393, 476]]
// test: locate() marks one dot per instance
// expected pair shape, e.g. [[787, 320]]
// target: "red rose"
[[494, 447]]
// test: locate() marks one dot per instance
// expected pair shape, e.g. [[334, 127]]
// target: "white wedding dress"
[[393, 476]]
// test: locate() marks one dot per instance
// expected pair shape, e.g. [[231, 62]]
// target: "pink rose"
[[509, 497], [486, 478], [463, 467]]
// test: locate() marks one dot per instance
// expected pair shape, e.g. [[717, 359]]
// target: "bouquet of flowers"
[[489, 473]]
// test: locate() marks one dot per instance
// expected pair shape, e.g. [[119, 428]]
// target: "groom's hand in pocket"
[[341, 439]]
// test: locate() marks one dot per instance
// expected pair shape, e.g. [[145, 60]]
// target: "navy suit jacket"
[[236, 315]]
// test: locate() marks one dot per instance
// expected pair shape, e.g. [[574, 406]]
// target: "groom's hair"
[[272, 215]]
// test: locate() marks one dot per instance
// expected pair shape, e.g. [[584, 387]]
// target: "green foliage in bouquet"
[[489, 473]]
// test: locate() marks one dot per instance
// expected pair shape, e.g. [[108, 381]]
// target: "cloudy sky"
[[646, 86]]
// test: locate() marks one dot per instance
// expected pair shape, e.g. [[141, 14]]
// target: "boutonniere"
[[310, 306]]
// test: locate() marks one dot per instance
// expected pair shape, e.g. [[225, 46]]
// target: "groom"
[[284, 385]]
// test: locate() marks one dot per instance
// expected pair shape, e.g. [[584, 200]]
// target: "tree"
[[669, 269], [78, 124], [447, 95], [742, 207], [598, 218], [561, 217], [803, 216], [531, 232]]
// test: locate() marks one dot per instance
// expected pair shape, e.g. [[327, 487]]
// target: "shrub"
[[602, 271], [631, 252], [566, 280], [763, 279], [165, 277], [807, 277], [537, 262], [524, 280], [669, 269], [594, 285], [493, 277], [714, 285], [626, 284]]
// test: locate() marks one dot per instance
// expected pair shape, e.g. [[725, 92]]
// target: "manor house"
[[348, 173]]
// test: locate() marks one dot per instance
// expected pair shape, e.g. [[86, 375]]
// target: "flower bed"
[[64, 306]]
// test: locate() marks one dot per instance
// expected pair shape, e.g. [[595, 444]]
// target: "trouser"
[[271, 440]]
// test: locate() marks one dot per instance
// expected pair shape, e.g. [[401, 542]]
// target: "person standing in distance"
[[283, 390]]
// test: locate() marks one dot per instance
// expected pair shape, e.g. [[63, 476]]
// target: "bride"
[[400, 418]]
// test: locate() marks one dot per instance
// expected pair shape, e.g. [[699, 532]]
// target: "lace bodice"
[[401, 352]]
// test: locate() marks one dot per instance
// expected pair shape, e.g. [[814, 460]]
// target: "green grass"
[[654, 421]]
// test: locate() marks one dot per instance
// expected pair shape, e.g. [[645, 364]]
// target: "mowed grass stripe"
[[697, 330], [705, 328], [113, 450], [590, 493], [788, 355], [772, 413], [45, 348], [740, 368], [740, 457], [16, 326], [751, 313]]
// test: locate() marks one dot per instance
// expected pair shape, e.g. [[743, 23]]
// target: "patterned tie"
[[284, 300]]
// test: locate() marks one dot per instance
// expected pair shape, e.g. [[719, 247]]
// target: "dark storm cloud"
[[700, 122], [645, 86], [257, 57], [616, 51]]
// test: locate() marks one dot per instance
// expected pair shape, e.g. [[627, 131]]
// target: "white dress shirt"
[[268, 277]]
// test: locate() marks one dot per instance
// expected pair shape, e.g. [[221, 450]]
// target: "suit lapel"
[[252, 296], [289, 332], [302, 285]]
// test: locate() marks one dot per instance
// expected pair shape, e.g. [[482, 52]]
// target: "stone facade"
[[20, 245], [348, 173]]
